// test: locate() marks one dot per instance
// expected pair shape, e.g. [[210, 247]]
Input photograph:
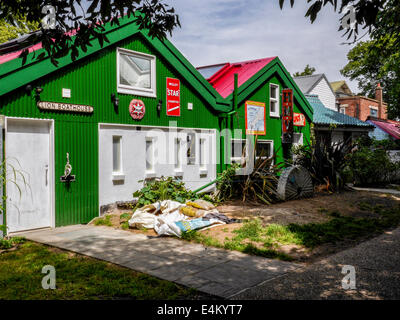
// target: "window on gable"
[[274, 100], [136, 73]]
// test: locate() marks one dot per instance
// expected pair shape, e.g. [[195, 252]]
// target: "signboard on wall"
[[173, 97], [299, 119], [68, 107], [137, 109], [287, 116], [255, 118]]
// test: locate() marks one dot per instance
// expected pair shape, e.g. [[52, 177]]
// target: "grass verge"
[[77, 277]]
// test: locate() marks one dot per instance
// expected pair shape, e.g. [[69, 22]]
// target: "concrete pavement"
[[377, 266], [214, 271]]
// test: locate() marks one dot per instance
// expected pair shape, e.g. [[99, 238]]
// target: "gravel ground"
[[377, 266]]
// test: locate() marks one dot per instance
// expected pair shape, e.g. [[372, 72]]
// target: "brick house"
[[362, 107]]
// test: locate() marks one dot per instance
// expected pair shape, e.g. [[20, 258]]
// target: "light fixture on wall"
[[114, 100], [38, 90], [159, 106]]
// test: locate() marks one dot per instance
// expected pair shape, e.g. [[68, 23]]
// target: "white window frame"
[[275, 114], [178, 156], [373, 108], [271, 142], [150, 172], [343, 107], [122, 88], [238, 159], [203, 155], [117, 175]]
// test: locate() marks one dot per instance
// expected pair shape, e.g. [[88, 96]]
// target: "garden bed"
[[299, 230]]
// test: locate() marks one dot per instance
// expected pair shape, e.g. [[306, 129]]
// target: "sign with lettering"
[[287, 116], [137, 109], [68, 107], [299, 119], [173, 97]]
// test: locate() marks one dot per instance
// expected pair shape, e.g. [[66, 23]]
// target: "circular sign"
[[137, 109]]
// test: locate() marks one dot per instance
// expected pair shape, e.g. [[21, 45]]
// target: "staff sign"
[[173, 97]]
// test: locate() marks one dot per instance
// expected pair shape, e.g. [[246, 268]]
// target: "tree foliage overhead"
[[366, 12], [378, 60], [308, 71], [76, 26], [21, 27]]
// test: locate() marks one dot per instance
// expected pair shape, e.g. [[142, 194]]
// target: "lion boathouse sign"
[[56, 106]]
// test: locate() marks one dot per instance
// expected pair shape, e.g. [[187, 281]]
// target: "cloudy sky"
[[216, 31]]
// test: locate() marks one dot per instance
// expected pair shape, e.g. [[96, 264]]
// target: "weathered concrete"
[[210, 270], [377, 266]]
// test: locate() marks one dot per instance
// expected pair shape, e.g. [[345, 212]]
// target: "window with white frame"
[[136, 73], [264, 149], [202, 153], [342, 108], [274, 100], [149, 154], [238, 150], [297, 139], [373, 111], [178, 161], [117, 154]]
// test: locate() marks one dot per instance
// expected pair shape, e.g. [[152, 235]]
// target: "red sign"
[[299, 119], [137, 109], [173, 97], [287, 115]]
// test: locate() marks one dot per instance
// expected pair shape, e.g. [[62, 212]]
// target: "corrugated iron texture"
[[92, 81]]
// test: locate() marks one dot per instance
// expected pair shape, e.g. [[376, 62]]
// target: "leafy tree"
[[9, 31], [376, 61], [308, 71], [76, 26]]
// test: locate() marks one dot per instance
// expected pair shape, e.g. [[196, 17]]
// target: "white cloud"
[[216, 31]]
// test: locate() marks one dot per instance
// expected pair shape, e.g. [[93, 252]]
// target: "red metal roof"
[[223, 79], [390, 126]]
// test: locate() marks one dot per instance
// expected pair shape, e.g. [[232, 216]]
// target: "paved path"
[[390, 191], [210, 270], [377, 266]]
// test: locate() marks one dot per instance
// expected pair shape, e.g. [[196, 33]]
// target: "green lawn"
[[77, 277]]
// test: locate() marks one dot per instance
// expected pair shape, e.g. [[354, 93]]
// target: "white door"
[[28, 150]]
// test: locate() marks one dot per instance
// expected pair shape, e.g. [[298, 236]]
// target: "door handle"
[[46, 170]]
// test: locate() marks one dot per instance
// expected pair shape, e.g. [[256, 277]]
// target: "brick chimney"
[[379, 97]]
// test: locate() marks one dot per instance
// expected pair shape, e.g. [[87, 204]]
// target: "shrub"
[[326, 161], [372, 166], [165, 188]]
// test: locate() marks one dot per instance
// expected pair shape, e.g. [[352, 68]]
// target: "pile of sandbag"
[[172, 218]]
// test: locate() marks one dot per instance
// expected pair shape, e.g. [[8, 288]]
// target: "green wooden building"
[[86, 132]]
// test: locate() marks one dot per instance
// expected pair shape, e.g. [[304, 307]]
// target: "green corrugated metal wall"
[[273, 125], [92, 81]]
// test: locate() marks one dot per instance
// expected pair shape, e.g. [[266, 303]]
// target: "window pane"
[[273, 107], [202, 150], [374, 112], [263, 149], [238, 148], [177, 153], [274, 92], [149, 154], [116, 154], [135, 71]]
